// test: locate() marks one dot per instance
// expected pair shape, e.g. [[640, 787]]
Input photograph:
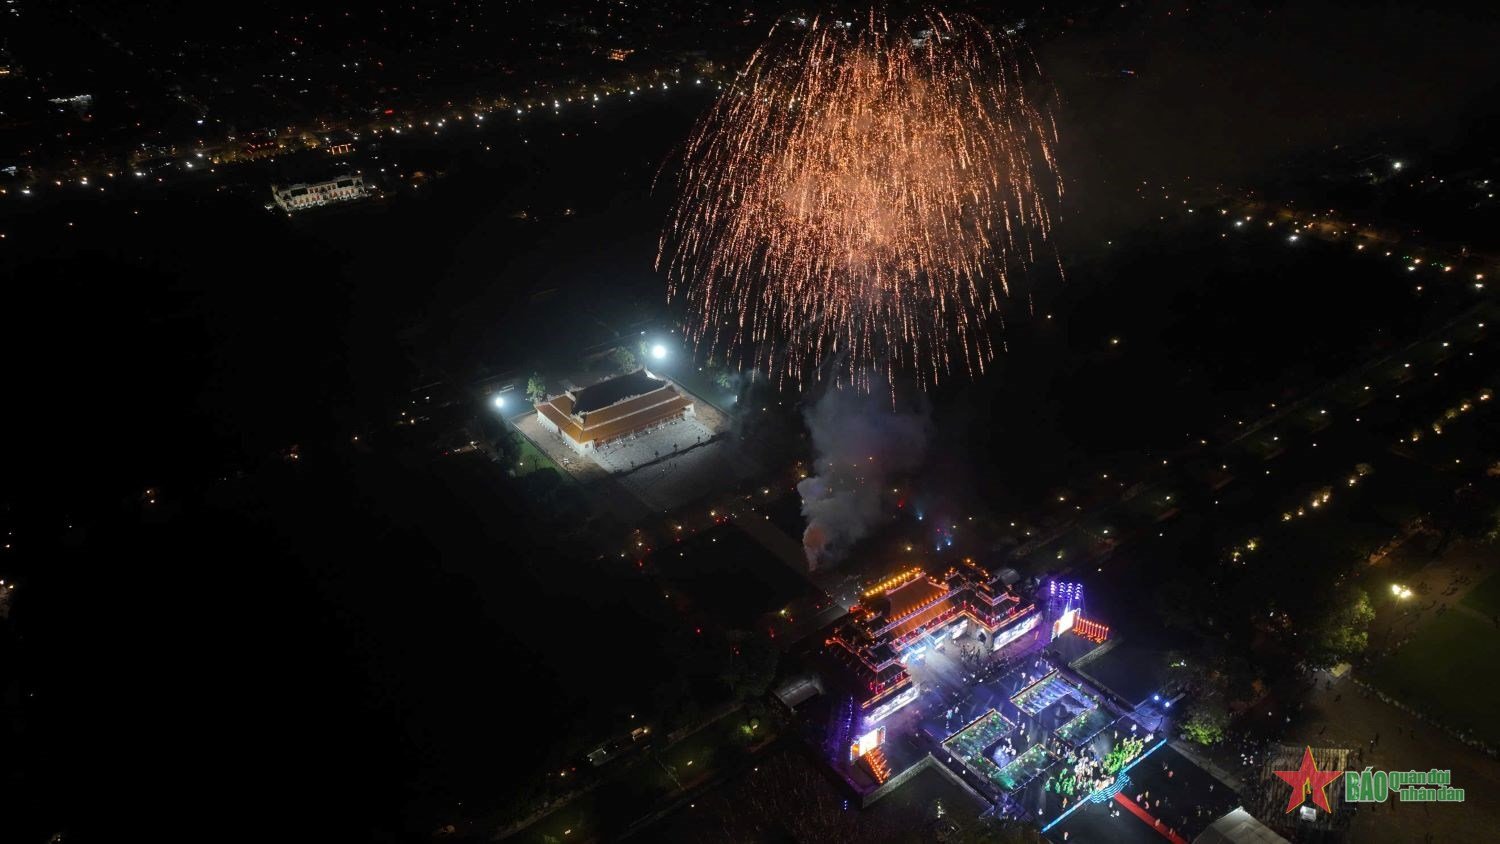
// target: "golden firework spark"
[[855, 200]]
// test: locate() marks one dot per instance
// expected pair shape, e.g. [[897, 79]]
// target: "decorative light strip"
[[892, 582], [1120, 776], [1091, 630]]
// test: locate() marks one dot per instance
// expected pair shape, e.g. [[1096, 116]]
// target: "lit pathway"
[[1155, 824]]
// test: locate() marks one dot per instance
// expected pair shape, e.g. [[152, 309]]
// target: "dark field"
[[733, 579]]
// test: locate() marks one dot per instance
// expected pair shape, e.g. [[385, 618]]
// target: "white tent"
[[1239, 827]]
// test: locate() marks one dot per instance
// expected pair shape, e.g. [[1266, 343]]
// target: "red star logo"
[[1308, 779]]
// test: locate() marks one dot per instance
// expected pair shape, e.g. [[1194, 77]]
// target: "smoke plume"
[[859, 443]]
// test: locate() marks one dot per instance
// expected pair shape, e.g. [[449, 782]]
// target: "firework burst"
[[857, 200]]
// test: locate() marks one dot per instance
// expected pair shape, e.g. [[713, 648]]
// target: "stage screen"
[[1064, 623], [866, 743]]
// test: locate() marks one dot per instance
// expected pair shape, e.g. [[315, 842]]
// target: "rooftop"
[[912, 596], [615, 390]]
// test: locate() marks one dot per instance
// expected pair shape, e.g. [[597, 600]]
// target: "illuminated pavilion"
[[898, 616], [612, 410]]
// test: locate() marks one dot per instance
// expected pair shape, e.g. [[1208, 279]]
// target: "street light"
[[498, 401], [658, 351]]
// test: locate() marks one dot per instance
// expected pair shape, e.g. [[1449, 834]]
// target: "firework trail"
[[861, 195]]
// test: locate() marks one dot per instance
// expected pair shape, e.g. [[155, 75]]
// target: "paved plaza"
[[645, 447], [671, 482], [1163, 796]]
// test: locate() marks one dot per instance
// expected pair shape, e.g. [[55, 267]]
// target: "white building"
[[301, 196], [612, 410]]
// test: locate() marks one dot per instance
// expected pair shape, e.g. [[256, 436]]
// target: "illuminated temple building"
[[901, 616], [612, 410], [302, 196]]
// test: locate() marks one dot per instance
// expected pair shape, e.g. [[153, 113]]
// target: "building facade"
[[899, 616], [612, 410], [302, 196]]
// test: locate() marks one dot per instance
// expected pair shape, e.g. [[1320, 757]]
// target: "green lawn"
[[1447, 671], [531, 458], [1485, 597]]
